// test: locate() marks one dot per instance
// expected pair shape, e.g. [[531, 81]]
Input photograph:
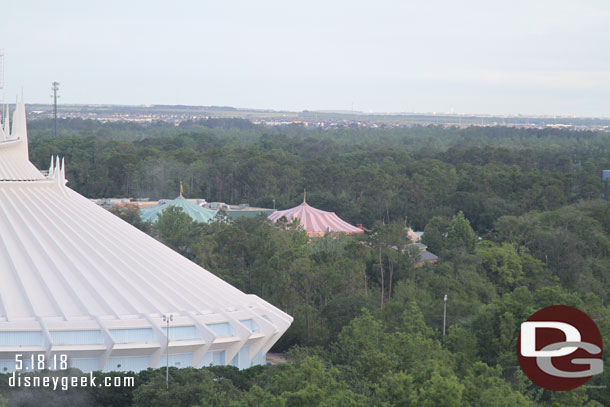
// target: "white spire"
[[7, 123], [57, 167], [52, 167], [19, 130], [19, 123], [4, 117], [12, 128], [14, 156], [58, 170]]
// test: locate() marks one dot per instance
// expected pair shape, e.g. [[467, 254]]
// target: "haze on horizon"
[[519, 57]]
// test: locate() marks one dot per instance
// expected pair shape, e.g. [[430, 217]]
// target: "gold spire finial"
[[181, 190], [304, 195]]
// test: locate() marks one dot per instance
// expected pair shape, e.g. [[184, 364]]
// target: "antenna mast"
[[55, 89]]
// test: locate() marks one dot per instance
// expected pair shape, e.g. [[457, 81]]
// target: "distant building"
[[424, 256], [414, 237], [199, 209], [196, 212], [243, 210]]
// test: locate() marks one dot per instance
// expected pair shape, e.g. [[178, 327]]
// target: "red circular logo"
[[560, 348]]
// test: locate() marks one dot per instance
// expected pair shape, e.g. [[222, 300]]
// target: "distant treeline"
[[362, 174]]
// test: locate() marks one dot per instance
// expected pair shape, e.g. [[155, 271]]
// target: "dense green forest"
[[364, 175], [514, 215]]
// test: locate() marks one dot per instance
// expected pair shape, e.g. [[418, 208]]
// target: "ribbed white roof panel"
[[13, 168]]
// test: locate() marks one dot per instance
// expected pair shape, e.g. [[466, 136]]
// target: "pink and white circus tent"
[[315, 221]]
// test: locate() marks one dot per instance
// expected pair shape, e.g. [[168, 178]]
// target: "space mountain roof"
[[69, 266], [196, 212], [316, 222]]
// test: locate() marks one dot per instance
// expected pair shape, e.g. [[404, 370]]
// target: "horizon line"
[[329, 111]]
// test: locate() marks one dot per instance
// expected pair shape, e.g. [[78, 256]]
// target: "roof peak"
[[14, 155]]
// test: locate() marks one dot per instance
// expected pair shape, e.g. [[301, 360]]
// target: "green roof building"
[[198, 213]]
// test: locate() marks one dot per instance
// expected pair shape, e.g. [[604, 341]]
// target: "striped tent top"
[[315, 221]]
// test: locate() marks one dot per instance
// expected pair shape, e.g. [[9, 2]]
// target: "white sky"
[[500, 57]]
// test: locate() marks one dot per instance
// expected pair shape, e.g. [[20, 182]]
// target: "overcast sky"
[[501, 57]]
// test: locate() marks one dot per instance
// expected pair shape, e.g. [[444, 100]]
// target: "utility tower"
[[55, 89]]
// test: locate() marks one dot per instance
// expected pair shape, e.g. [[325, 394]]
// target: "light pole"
[[167, 318], [444, 313]]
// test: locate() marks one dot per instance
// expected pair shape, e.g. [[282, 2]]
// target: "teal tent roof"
[[198, 213]]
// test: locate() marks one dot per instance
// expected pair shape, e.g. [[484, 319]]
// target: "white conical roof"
[[67, 265]]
